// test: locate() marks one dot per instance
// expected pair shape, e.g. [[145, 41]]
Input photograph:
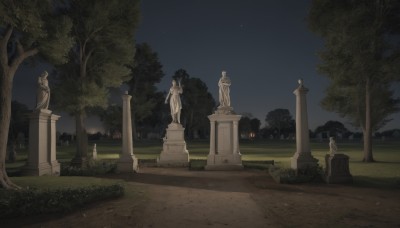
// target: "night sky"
[[264, 46]]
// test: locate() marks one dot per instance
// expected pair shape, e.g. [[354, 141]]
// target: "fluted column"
[[212, 137], [127, 161], [127, 144], [302, 157], [235, 137], [302, 131]]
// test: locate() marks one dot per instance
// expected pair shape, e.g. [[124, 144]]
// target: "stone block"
[[337, 169]]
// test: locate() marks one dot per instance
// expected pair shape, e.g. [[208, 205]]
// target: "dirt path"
[[201, 199], [173, 197]]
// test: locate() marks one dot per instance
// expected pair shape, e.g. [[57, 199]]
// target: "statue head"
[[223, 74], [44, 74], [173, 82], [300, 81], [332, 139]]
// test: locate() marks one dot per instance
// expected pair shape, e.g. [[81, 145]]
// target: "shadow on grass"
[[376, 182]]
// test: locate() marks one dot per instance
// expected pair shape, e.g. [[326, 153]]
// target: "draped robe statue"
[[175, 101], [43, 92], [224, 97]]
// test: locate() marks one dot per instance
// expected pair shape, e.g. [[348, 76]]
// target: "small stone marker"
[[337, 166], [94, 152]]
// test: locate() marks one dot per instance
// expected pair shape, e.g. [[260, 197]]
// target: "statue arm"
[[166, 99]]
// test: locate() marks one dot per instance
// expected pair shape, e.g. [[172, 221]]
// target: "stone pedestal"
[[224, 142], [127, 162], [302, 158], [42, 144], [337, 169], [174, 151]]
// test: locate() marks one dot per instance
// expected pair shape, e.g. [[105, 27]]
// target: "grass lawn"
[[386, 171]]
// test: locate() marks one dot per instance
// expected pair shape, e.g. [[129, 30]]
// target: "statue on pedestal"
[[43, 92], [175, 101], [223, 84]]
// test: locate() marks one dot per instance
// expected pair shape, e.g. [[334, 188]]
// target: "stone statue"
[[223, 84], [332, 146], [43, 92], [175, 101]]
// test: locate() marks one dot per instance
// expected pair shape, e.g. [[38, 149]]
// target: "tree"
[[255, 125], [333, 127], [111, 118], [104, 34], [245, 126], [279, 119], [27, 29], [197, 104], [18, 124], [361, 60], [146, 72]]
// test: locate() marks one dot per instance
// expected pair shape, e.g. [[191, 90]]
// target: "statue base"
[[42, 144], [224, 141], [174, 151], [226, 110]]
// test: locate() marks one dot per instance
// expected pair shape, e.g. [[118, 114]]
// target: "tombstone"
[[42, 144], [21, 140], [127, 162], [94, 152], [337, 169], [224, 137], [302, 157], [174, 151]]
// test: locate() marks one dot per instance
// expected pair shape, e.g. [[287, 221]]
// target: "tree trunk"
[[5, 115], [80, 159], [367, 130]]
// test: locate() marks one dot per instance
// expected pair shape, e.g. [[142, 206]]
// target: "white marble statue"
[[175, 101], [223, 84], [332, 146], [43, 92]]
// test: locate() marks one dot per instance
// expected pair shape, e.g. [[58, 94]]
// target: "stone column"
[[212, 137], [235, 137], [127, 161], [55, 165], [302, 158]]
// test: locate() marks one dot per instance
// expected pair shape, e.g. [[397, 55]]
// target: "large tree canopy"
[[280, 120], [103, 31], [361, 58], [197, 104], [146, 72], [27, 28]]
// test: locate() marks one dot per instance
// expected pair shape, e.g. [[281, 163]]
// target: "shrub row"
[[311, 174], [95, 168], [36, 201]]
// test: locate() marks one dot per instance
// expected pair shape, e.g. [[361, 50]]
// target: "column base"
[[303, 160], [128, 164], [224, 162], [39, 170]]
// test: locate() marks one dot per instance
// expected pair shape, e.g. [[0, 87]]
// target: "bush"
[[95, 168], [197, 164], [313, 174], [35, 201]]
